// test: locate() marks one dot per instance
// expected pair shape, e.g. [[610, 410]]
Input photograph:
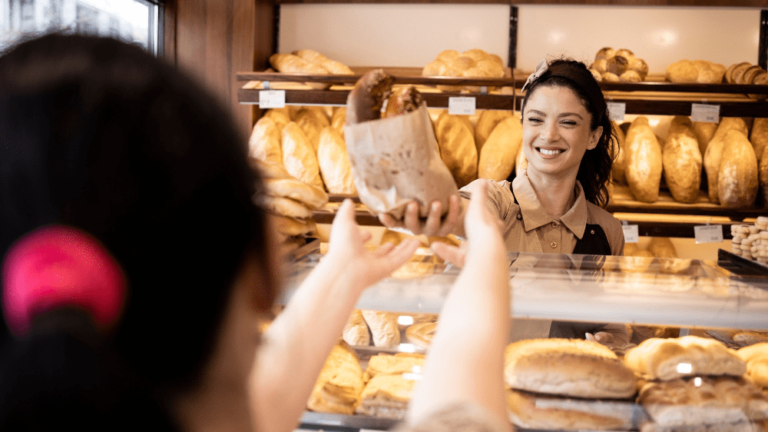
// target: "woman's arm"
[[297, 343], [466, 358]]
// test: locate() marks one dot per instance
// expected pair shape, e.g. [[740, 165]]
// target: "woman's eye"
[[534, 119], [569, 123]]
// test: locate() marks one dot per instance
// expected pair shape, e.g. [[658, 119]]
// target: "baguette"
[[289, 63], [497, 158], [333, 159], [682, 161], [264, 143], [455, 138], [299, 158]]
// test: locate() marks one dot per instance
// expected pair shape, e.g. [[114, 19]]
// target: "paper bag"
[[396, 160]]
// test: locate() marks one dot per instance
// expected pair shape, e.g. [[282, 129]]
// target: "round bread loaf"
[[627, 54], [605, 53], [683, 71], [617, 65], [640, 66], [569, 367], [630, 76], [729, 71], [610, 77]]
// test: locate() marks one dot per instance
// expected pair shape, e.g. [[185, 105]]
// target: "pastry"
[[339, 386], [568, 367], [681, 160], [264, 143], [383, 326], [333, 159], [386, 396], [497, 158], [668, 359], [398, 364], [298, 156]]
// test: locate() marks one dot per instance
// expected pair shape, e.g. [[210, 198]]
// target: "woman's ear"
[[594, 137]]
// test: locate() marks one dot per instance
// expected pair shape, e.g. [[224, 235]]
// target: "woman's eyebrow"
[[565, 114]]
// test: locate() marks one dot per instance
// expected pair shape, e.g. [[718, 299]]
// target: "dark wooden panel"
[[351, 79], [693, 3], [169, 31]]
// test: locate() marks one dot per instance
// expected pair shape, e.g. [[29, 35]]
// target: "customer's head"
[[100, 136], [595, 167]]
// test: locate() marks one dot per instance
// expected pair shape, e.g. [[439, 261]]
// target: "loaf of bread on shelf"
[[669, 359], [332, 66], [285, 206], [714, 154], [338, 119], [289, 63], [386, 396], [397, 364], [644, 161], [696, 71], [403, 100], [759, 136], [456, 140], [568, 367], [704, 132], [421, 334], [532, 411], [355, 330], [662, 247], [270, 170], [763, 176], [310, 196], [334, 163], [280, 117], [298, 156], [383, 326], [619, 153], [682, 161], [737, 181], [311, 126], [486, 123], [264, 143], [497, 158], [339, 386]]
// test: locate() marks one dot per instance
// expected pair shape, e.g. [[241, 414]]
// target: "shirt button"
[[554, 245], [555, 224]]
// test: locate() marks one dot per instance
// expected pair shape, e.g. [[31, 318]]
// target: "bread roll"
[[704, 132], [334, 163], [290, 63], [355, 330], [448, 55], [640, 66], [737, 178], [486, 123], [605, 53], [610, 77], [264, 143], [659, 359], [617, 65], [600, 65], [569, 367], [298, 156], [682, 161], [619, 153], [497, 158], [713, 156], [383, 326], [630, 76], [457, 147], [332, 66], [644, 162]]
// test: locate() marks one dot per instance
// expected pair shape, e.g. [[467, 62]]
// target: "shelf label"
[[708, 233], [272, 99], [461, 106], [616, 111], [631, 233], [705, 113]]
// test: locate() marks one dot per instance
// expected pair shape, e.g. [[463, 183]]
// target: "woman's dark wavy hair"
[[595, 169], [99, 135]]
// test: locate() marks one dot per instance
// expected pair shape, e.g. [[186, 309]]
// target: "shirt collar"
[[534, 215]]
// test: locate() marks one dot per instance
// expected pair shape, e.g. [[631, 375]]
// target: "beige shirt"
[[528, 228]]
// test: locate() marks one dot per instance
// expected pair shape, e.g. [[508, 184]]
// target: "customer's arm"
[[297, 343], [466, 358]]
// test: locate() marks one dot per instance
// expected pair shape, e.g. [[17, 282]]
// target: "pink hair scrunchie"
[[58, 266]]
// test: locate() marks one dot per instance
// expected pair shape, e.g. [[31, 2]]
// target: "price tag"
[[616, 111], [461, 106], [272, 99], [705, 113], [631, 233], [708, 233]]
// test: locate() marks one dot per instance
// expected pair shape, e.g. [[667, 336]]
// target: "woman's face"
[[556, 132]]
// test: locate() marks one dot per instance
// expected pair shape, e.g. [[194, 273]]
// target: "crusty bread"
[[339, 386], [662, 247], [737, 181], [681, 160], [497, 158], [697, 71], [280, 117], [531, 411], [703, 400], [289, 63], [311, 126], [355, 330], [618, 150], [756, 357], [456, 140], [383, 326], [704, 132], [569, 367], [334, 162], [366, 99], [486, 123], [270, 170], [403, 100], [644, 161], [714, 153], [338, 119], [310, 196], [657, 358], [421, 334], [298, 156], [759, 136], [264, 143]]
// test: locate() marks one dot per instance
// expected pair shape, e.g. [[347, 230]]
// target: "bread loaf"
[[298, 156], [383, 326], [660, 359], [318, 113], [264, 143], [704, 132], [334, 163], [280, 118], [310, 196], [332, 66], [497, 158], [713, 156], [455, 138], [311, 126], [403, 100], [421, 334], [270, 170], [697, 71], [338, 119], [569, 367], [486, 123], [386, 396], [763, 176], [737, 178], [619, 153], [398, 364], [366, 99], [682, 161], [759, 136], [289, 63], [644, 162], [355, 330], [339, 386], [285, 206]]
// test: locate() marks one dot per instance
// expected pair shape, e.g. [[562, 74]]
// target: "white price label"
[[708, 233], [461, 106], [631, 233], [616, 111], [705, 113], [272, 99]]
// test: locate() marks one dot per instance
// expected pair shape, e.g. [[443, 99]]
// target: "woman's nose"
[[549, 132]]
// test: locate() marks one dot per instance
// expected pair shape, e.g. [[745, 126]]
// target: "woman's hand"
[[346, 249], [435, 225]]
